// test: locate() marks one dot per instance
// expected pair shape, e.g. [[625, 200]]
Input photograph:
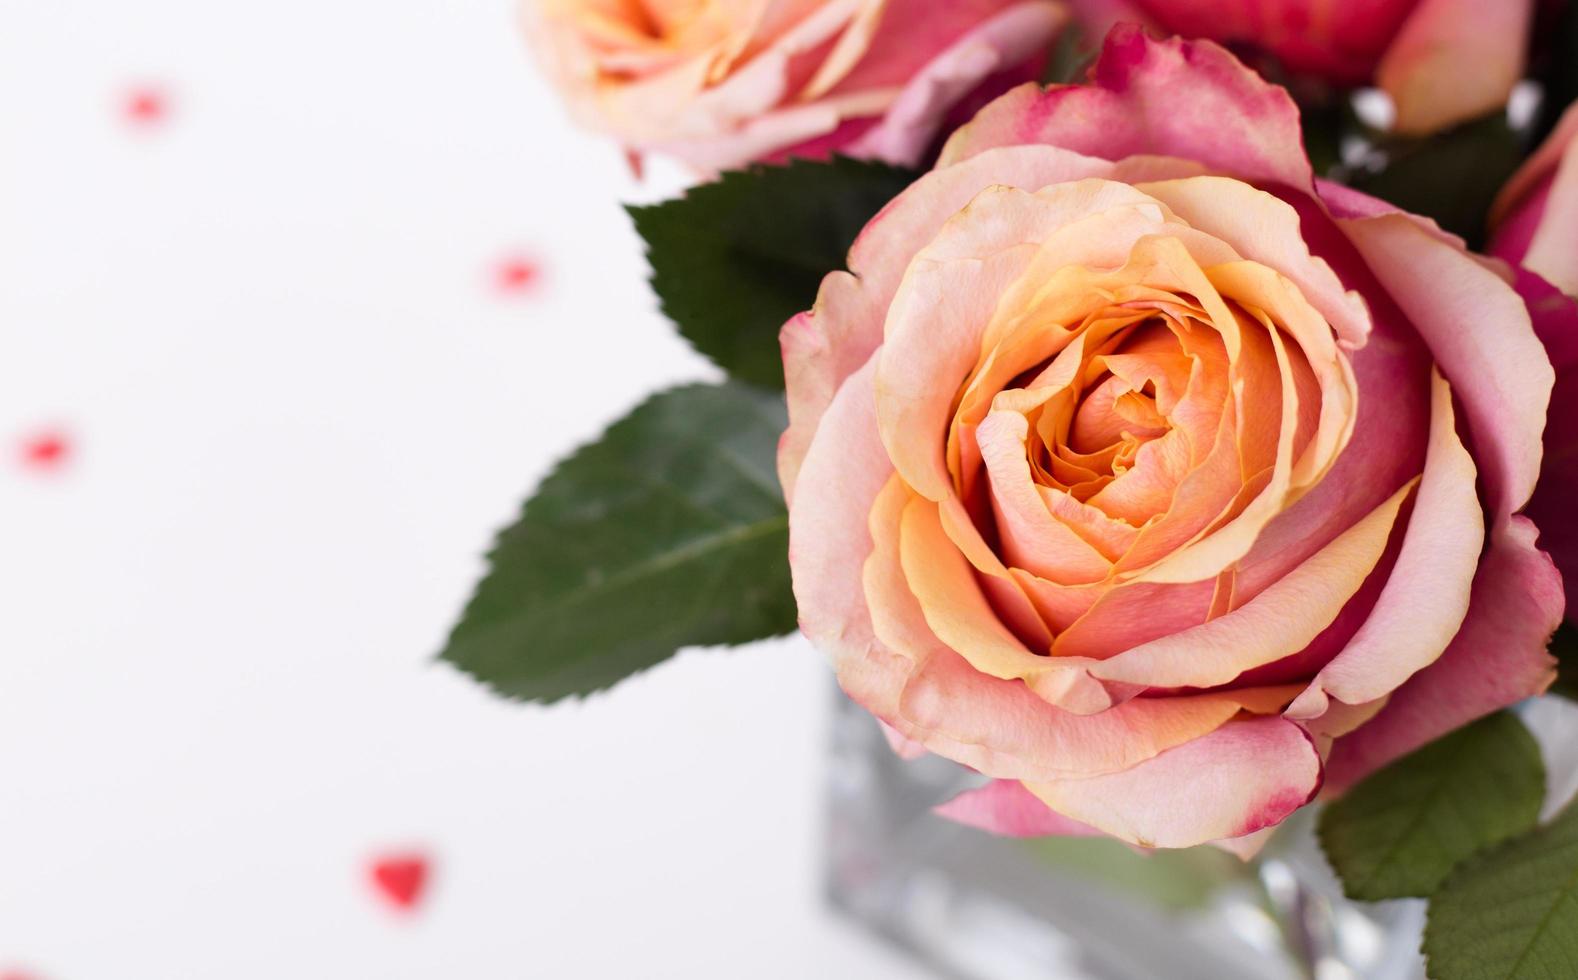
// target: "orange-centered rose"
[[719, 83], [1131, 470]]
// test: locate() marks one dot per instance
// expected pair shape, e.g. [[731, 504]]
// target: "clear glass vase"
[[976, 906]]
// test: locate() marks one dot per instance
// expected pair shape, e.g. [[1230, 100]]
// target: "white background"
[[298, 407]]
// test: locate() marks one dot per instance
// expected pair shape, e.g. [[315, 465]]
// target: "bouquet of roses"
[[1164, 409]]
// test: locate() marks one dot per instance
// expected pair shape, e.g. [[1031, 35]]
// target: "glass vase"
[[978, 907]]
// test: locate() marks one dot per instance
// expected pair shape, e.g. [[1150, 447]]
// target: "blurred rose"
[[1536, 226], [719, 83], [1442, 61], [1130, 467]]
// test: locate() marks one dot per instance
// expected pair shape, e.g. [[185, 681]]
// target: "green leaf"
[[669, 531], [1071, 56], [1403, 829], [1451, 176], [1324, 124], [734, 259], [1564, 647], [1510, 913], [1557, 72], [1176, 880]]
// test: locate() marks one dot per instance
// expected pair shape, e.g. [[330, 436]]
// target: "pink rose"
[[719, 83], [1536, 226], [1135, 469], [1536, 215], [1442, 61]]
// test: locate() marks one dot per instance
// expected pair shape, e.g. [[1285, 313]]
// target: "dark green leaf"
[[1402, 830], [734, 259], [1324, 125], [1557, 66], [1071, 56], [667, 532], [1451, 176], [1510, 913], [1564, 647]]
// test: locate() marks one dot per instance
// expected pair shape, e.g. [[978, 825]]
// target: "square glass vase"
[[974, 906]]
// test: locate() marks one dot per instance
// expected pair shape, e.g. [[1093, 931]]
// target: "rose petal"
[[1538, 167], [1240, 778], [1032, 538], [1423, 72], [846, 468], [965, 57], [1265, 229], [1426, 598], [929, 693], [1551, 508], [1479, 331], [1188, 99], [1004, 806], [1553, 247], [1496, 659], [1281, 620], [904, 747]]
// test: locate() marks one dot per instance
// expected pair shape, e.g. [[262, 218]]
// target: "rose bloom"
[[1536, 227], [1135, 469], [718, 83], [1442, 61]]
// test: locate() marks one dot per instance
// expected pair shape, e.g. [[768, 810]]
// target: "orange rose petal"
[[1109, 536], [955, 607], [1057, 604], [1265, 290], [1209, 555], [821, 352], [1001, 365], [1031, 537], [1000, 726], [896, 617], [1004, 592], [1147, 488], [1280, 621], [942, 310], [1265, 229], [1202, 496], [1257, 398]]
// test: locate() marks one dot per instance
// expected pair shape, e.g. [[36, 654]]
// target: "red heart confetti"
[[635, 163], [516, 274], [145, 106], [400, 878], [45, 450], [16, 975]]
